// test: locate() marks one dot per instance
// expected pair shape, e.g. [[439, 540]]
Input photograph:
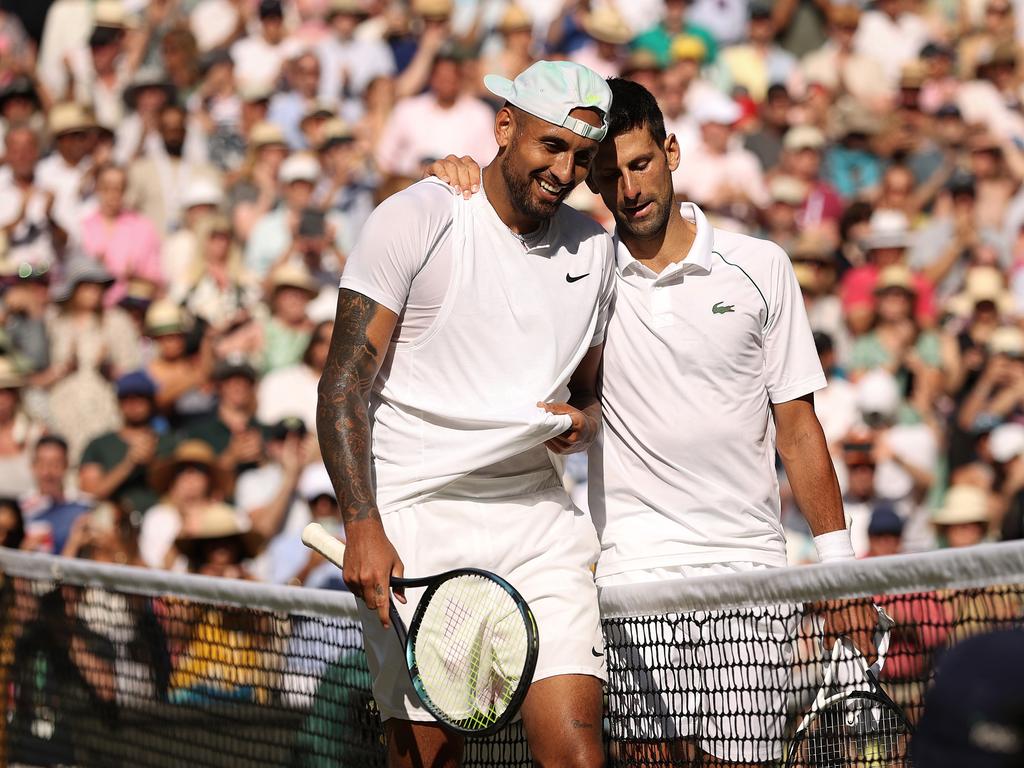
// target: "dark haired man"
[[49, 513], [709, 331], [487, 315]]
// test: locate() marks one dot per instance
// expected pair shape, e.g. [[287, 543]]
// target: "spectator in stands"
[[965, 516], [658, 39], [180, 373], [218, 543], [765, 140], [350, 63], [1006, 446], [885, 532], [266, 495], [12, 526], [442, 120], [97, 344], [836, 405], [255, 190], [68, 173], [998, 394], [114, 465], [892, 35], [49, 512], [18, 432], [123, 241], [293, 389], [346, 190], [758, 62], [839, 67], [260, 57], [232, 431], [294, 564], [180, 251], [190, 483], [145, 96], [26, 209], [288, 108]]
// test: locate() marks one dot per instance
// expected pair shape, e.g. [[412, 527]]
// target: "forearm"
[[103, 487], [266, 519], [813, 478]]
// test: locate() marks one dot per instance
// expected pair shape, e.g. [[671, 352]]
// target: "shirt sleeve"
[[792, 368], [395, 243]]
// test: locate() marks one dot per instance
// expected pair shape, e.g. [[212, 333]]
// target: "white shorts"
[[720, 679], [538, 542]]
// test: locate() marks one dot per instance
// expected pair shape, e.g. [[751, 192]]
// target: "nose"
[[562, 169], [630, 187]]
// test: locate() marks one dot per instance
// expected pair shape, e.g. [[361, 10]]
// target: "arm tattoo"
[[342, 422]]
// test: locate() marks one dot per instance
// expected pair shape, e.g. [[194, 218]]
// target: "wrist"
[[834, 545]]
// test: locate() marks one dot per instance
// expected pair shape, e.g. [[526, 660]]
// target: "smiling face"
[[541, 162], [633, 175]]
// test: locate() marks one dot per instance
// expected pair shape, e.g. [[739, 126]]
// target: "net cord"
[[143, 581], [978, 566]]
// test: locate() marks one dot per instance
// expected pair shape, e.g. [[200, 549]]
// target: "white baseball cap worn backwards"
[[551, 90]]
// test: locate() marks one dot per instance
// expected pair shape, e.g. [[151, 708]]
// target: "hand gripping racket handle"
[[318, 539]]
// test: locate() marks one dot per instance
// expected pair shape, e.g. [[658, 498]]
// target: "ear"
[[672, 151], [504, 127]]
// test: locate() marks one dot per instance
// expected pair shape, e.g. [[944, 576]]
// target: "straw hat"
[[346, 8], [913, 74], [641, 60], [82, 269], [291, 275], [336, 131], [110, 13], [514, 19], [895, 276], [10, 376], [219, 521], [963, 504], [164, 318], [1007, 340], [319, 109], [983, 283], [69, 117], [265, 134], [202, 191], [812, 246], [787, 189], [163, 471], [433, 8], [803, 137], [138, 292], [606, 25]]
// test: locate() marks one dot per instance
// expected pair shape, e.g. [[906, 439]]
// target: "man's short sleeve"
[[395, 243], [792, 368]]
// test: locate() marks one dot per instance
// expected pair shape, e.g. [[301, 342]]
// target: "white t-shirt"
[[490, 324], [684, 470]]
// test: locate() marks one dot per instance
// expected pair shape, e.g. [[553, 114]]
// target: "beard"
[[653, 224], [175, 148], [520, 190]]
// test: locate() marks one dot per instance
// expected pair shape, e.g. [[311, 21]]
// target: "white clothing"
[[722, 678], [160, 527], [348, 66], [916, 445], [703, 175], [836, 406], [516, 317], [30, 240], [258, 63], [256, 488], [684, 470], [537, 541], [65, 183], [725, 19], [420, 130], [890, 42], [68, 26], [289, 391]]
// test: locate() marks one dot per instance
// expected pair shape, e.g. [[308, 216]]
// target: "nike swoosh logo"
[[572, 279], [596, 652]]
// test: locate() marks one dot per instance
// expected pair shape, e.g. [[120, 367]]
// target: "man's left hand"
[[856, 619], [579, 436]]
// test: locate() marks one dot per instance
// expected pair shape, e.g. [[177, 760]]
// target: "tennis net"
[[111, 666]]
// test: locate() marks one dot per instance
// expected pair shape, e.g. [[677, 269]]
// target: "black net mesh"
[[110, 676]]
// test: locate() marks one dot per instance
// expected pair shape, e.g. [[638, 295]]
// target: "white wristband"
[[834, 545]]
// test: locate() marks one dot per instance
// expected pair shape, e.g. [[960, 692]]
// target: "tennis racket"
[[853, 724], [471, 648]]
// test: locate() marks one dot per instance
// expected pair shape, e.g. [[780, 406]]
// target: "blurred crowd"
[[182, 180]]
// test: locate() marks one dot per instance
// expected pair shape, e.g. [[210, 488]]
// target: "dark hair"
[[16, 535], [55, 440], [307, 356], [633, 106]]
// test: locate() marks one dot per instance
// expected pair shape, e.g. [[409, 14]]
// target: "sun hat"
[[514, 19], [551, 90], [688, 47], [895, 276], [346, 8], [233, 365], [292, 275], [1006, 442], [433, 9], [963, 504], [163, 471], [301, 166], [69, 117], [336, 131], [985, 283], [887, 229], [641, 60], [219, 521], [720, 110], [787, 189], [164, 318], [81, 270], [607, 26], [1007, 340], [265, 134], [315, 482], [149, 77], [803, 137], [10, 376], [878, 392], [202, 191]]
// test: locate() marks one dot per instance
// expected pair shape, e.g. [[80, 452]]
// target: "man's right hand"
[[461, 173], [370, 562]]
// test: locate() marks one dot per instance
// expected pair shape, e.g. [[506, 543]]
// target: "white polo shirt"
[[684, 470]]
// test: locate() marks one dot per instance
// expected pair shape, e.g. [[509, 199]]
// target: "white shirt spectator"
[[702, 175], [419, 129], [289, 391], [258, 63], [30, 240], [256, 488], [725, 19], [891, 42], [65, 182], [348, 66]]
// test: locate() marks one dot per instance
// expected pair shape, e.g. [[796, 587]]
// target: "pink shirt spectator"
[[703, 176], [420, 129], [130, 248], [858, 290]]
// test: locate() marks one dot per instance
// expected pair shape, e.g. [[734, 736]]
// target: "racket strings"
[[470, 650], [856, 733]]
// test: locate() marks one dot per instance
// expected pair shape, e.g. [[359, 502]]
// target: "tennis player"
[[467, 344], [709, 367]]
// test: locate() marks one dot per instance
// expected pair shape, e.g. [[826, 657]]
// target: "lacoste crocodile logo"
[[718, 309]]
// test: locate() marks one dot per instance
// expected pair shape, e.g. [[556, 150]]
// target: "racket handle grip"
[[317, 538]]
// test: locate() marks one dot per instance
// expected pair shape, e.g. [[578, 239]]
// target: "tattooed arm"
[[362, 332]]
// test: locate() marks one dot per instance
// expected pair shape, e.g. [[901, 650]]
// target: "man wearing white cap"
[[716, 174], [487, 315]]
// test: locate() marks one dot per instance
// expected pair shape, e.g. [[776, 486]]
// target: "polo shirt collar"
[[699, 258]]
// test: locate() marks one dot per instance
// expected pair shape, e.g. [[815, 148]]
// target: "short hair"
[[54, 440], [633, 106]]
